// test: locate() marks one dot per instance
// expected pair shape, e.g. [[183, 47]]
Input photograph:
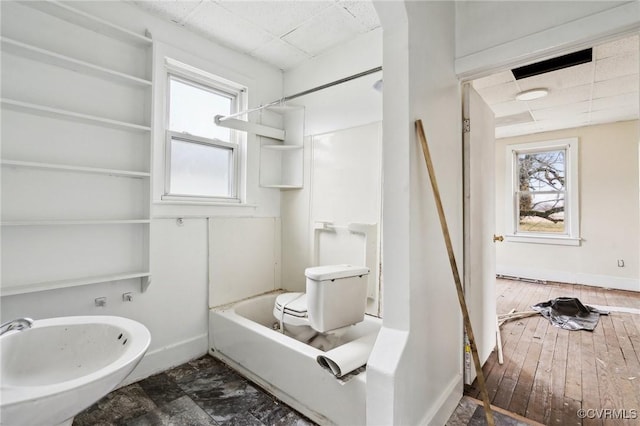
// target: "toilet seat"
[[295, 308]]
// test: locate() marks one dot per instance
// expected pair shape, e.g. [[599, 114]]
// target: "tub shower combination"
[[317, 373]]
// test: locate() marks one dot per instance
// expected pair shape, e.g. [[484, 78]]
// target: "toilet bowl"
[[335, 298]]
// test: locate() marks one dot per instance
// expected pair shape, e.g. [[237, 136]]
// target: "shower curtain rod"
[[305, 92]]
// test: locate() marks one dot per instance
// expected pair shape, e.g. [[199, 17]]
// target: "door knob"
[[497, 238]]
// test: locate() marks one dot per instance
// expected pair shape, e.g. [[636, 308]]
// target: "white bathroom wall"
[[609, 196], [244, 258], [341, 154], [414, 375], [174, 307]]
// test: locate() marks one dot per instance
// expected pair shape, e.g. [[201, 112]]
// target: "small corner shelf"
[[70, 115], [90, 22], [11, 290], [281, 163], [68, 168], [53, 58]]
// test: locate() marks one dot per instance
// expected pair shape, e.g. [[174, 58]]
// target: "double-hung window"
[[202, 159], [542, 192]]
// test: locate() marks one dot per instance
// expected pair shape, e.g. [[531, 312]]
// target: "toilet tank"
[[336, 295]]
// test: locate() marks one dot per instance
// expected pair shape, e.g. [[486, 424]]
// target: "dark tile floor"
[[200, 392]]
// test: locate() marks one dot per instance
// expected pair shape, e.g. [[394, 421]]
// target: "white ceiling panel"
[[363, 12], [331, 27], [617, 66], [230, 29], [310, 26], [613, 102], [175, 10], [559, 97], [616, 47], [281, 52], [493, 80], [509, 108], [499, 93], [565, 112], [276, 17], [602, 91], [616, 86]]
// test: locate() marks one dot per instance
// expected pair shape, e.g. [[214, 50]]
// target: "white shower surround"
[[241, 335]]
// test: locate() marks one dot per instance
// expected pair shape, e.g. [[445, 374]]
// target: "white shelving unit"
[[87, 229], [71, 115], [281, 160]]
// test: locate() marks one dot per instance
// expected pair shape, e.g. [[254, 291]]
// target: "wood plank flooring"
[[550, 373]]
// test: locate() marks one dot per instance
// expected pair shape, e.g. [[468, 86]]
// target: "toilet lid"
[[295, 304]]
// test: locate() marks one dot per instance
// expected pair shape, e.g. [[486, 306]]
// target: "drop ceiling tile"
[[215, 22], [628, 100], [616, 86], [363, 12], [517, 130], [617, 47], [276, 17], [494, 80], [577, 75], [509, 120], [611, 115], [560, 97], [175, 10], [499, 93], [324, 31], [564, 111], [280, 53], [504, 109], [617, 66]]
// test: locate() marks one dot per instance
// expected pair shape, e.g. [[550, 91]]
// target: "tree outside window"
[[541, 191]]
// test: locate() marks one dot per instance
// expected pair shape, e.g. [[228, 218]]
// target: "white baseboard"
[[162, 359], [606, 281], [446, 404]]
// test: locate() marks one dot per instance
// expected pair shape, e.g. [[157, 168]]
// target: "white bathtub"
[[242, 335]]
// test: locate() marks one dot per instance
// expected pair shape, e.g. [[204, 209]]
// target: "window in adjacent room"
[[543, 192], [202, 159]]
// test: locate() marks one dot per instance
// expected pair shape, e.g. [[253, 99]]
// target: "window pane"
[[200, 170], [542, 171], [192, 110], [541, 212]]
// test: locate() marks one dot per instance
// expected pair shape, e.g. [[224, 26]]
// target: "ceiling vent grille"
[[554, 64]]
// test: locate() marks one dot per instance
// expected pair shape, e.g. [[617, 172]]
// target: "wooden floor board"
[[550, 373]]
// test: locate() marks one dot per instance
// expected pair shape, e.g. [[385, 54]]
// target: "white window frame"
[[205, 81], [572, 193]]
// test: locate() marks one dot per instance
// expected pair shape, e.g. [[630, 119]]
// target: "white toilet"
[[336, 297]]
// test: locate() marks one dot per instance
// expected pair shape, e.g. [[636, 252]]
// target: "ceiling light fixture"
[[529, 95]]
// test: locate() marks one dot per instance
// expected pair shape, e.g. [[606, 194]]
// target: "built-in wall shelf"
[[65, 222], [71, 115], [73, 222], [11, 290], [78, 169], [281, 163], [53, 58], [88, 21]]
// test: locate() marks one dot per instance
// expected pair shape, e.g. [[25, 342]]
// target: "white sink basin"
[[60, 366]]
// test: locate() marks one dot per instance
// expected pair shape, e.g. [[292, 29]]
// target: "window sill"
[[169, 200], [544, 239]]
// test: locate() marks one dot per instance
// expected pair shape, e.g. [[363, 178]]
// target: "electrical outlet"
[[620, 263]]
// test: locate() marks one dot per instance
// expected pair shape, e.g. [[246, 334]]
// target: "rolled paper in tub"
[[348, 357]]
